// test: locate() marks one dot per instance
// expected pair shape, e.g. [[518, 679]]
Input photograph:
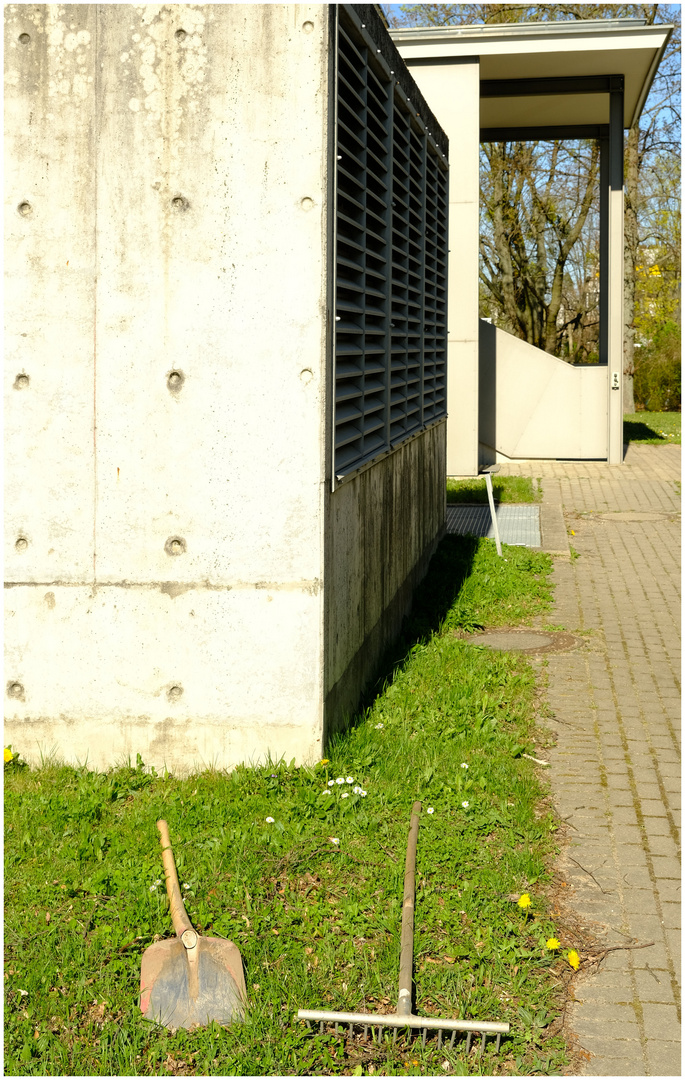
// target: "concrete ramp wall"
[[532, 405]]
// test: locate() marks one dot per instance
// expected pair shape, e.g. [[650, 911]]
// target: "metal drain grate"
[[518, 525]]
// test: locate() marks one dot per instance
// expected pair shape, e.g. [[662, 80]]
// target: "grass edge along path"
[[302, 868], [505, 489]]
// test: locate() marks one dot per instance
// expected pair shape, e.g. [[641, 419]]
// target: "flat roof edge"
[[501, 39], [415, 35]]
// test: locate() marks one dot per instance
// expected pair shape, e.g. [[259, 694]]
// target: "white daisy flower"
[[350, 780], [340, 780], [334, 839], [153, 888], [186, 885], [378, 726], [327, 792], [356, 789], [270, 820], [330, 783], [465, 804], [464, 765], [362, 793], [430, 810], [345, 795]]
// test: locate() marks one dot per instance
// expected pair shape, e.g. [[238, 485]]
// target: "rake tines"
[[420, 1025], [404, 1018]]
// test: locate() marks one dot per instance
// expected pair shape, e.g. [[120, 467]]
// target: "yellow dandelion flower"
[[552, 943], [324, 761], [524, 901], [8, 754], [573, 959]]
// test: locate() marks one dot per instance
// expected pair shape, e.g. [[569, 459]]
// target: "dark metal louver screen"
[[391, 258]]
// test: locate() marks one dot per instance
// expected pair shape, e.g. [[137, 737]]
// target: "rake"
[[403, 1017]]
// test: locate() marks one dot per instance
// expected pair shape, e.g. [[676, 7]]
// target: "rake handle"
[[179, 916], [407, 940]]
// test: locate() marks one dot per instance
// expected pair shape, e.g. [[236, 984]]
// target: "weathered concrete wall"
[[382, 529], [166, 268], [533, 405], [171, 533]]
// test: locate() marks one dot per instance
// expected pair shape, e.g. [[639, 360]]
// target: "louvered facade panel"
[[391, 259]]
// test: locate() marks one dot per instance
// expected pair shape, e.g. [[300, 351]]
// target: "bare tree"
[[536, 201]]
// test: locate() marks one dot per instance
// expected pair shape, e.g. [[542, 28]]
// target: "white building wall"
[[452, 91], [177, 222], [533, 405]]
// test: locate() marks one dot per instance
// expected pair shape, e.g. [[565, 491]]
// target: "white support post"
[[493, 514], [614, 320], [453, 93]]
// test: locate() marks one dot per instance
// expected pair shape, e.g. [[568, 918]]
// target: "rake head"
[[376, 1022], [403, 1019]]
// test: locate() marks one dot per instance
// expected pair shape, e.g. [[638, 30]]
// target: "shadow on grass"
[[449, 568], [636, 429]]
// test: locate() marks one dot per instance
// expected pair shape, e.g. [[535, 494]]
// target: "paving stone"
[[623, 815], [618, 962], [615, 1066], [638, 901], [661, 1021], [648, 791], [619, 781], [628, 834], [657, 826], [654, 986], [666, 868], [671, 914], [636, 875], [663, 1057], [605, 1045], [596, 1012], [658, 956], [662, 845], [625, 686], [607, 985], [652, 807], [620, 798], [603, 1029]]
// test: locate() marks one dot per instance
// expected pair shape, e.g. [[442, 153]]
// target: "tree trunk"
[[630, 256]]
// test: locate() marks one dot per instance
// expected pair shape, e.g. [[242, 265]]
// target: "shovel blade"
[[165, 995]]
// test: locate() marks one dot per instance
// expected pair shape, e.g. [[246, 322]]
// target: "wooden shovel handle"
[[407, 940], [179, 916]]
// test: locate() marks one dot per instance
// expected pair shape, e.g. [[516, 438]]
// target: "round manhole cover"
[[632, 515], [539, 641]]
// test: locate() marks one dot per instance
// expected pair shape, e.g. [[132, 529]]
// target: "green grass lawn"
[[313, 899], [505, 489], [651, 427]]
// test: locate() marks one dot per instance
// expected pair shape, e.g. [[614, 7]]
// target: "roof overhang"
[[513, 56]]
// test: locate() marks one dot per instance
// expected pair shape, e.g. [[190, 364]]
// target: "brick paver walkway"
[[615, 770]]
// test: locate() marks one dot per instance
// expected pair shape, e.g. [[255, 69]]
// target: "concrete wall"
[[533, 405], [453, 93], [382, 528], [182, 582], [166, 212]]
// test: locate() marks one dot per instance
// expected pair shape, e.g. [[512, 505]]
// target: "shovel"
[[188, 981]]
